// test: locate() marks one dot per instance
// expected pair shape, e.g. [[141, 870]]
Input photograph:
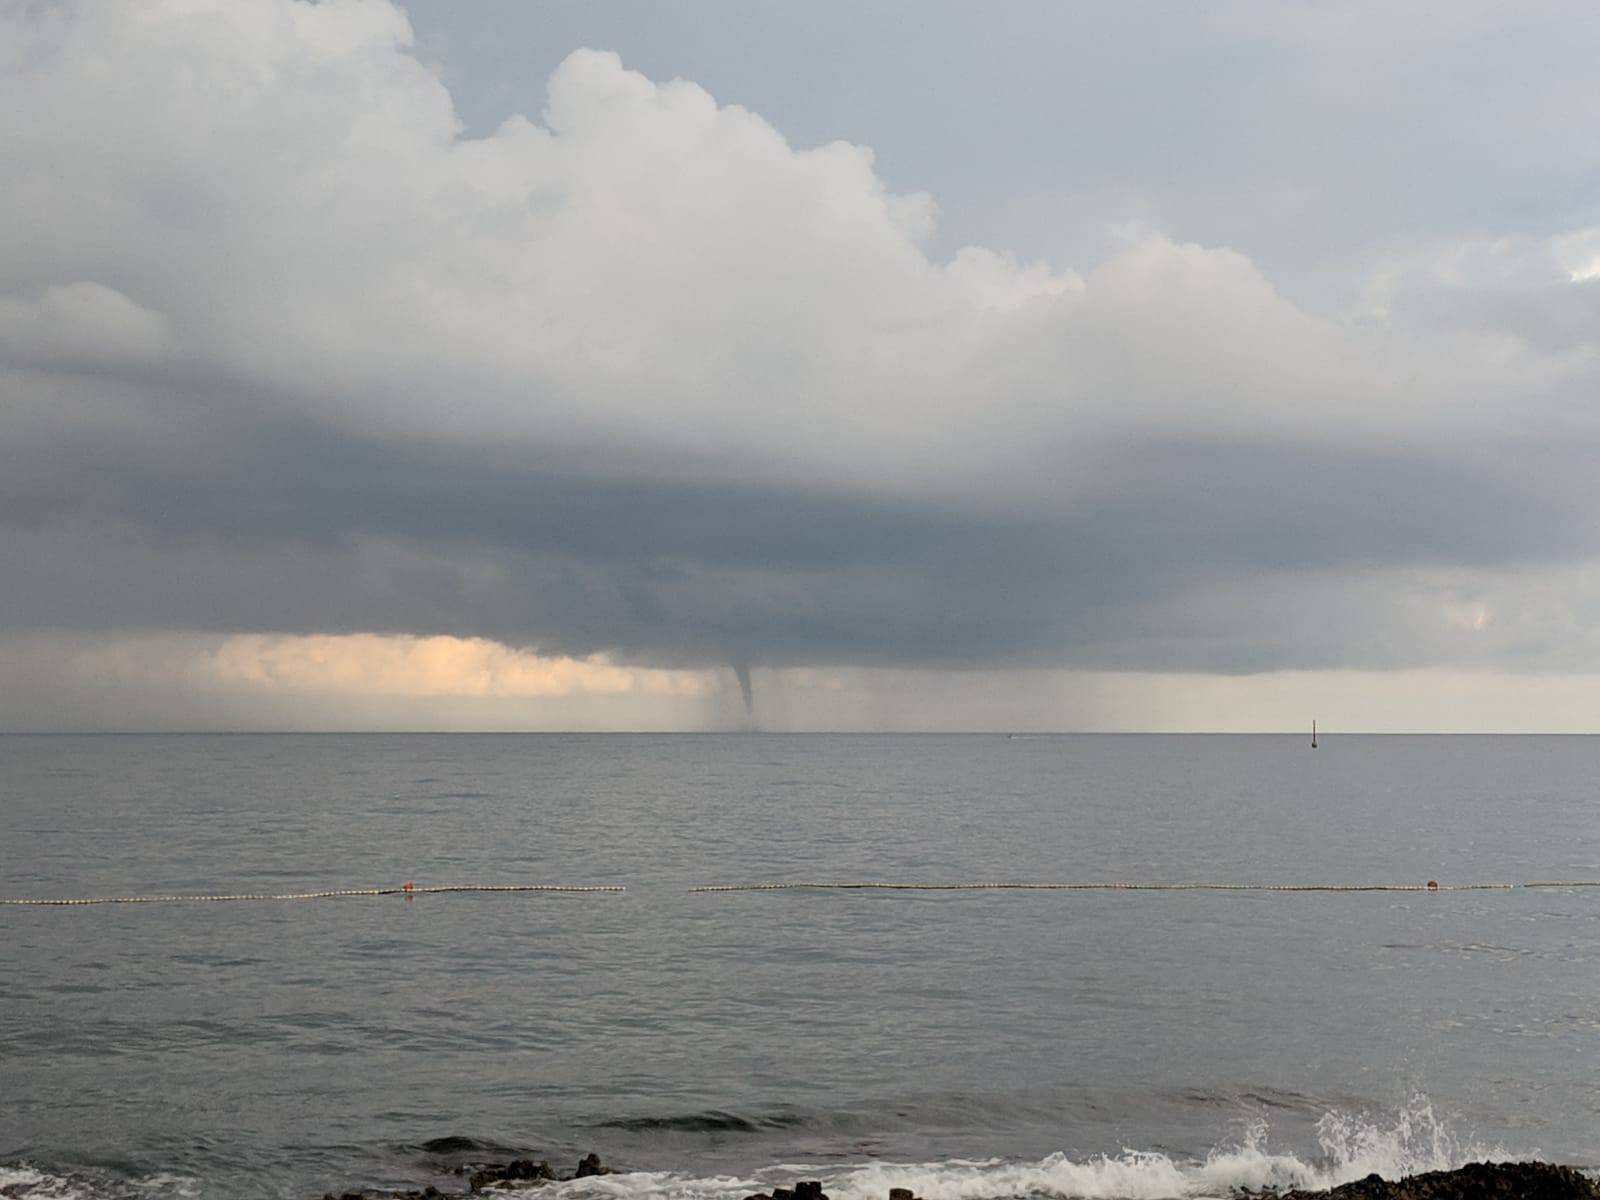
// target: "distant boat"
[[1313, 735]]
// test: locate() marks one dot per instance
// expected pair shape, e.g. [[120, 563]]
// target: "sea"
[[968, 1044]]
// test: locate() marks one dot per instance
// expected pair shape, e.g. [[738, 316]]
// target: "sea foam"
[[23, 1181], [1350, 1146]]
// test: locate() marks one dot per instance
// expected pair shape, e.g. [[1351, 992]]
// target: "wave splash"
[[22, 1181], [1350, 1146]]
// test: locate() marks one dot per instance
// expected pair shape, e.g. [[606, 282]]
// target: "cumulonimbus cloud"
[[284, 351]]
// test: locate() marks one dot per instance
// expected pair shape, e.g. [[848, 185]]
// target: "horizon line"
[[1322, 734]]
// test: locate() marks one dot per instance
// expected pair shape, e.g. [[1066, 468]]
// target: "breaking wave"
[[21, 1181], [1350, 1146]]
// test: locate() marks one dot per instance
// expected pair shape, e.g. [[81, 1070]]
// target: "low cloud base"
[[71, 682]]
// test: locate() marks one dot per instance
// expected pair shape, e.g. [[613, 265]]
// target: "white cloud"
[[1579, 254], [640, 268], [84, 323], [270, 205]]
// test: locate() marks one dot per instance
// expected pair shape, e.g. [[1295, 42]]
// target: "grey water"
[[971, 1043]]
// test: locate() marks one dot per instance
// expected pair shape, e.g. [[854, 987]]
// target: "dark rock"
[[901, 1194], [1475, 1181], [810, 1189], [589, 1165], [518, 1170]]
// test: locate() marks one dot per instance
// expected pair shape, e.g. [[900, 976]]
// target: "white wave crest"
[[1351, 1146], [25, 1183], [21, 1181]]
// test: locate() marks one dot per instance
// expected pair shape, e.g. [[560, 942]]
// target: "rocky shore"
[[1475, 1181], [518, 1173]]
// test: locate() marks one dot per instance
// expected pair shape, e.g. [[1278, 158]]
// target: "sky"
[[569, 365]]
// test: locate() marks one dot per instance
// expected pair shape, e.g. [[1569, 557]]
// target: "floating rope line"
[[1430, 886], [1563, 883], [839, 886], [407, 889]]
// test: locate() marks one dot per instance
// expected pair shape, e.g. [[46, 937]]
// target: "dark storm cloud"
[[215, 520], [642, 377]]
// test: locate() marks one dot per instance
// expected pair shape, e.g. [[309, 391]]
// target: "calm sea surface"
[[970, 1044]]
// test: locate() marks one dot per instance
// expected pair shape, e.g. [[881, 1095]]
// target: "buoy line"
[[406, 889], [835, 886], [1430, 886], [1563, 883]]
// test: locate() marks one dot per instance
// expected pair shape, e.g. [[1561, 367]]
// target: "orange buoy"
[[1433, 885]]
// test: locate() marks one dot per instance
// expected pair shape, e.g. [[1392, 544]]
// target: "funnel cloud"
[[746, 693]]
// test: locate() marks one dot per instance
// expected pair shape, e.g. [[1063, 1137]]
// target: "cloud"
[[60, 680], [83, 323], [368, 664], [286, 353]]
